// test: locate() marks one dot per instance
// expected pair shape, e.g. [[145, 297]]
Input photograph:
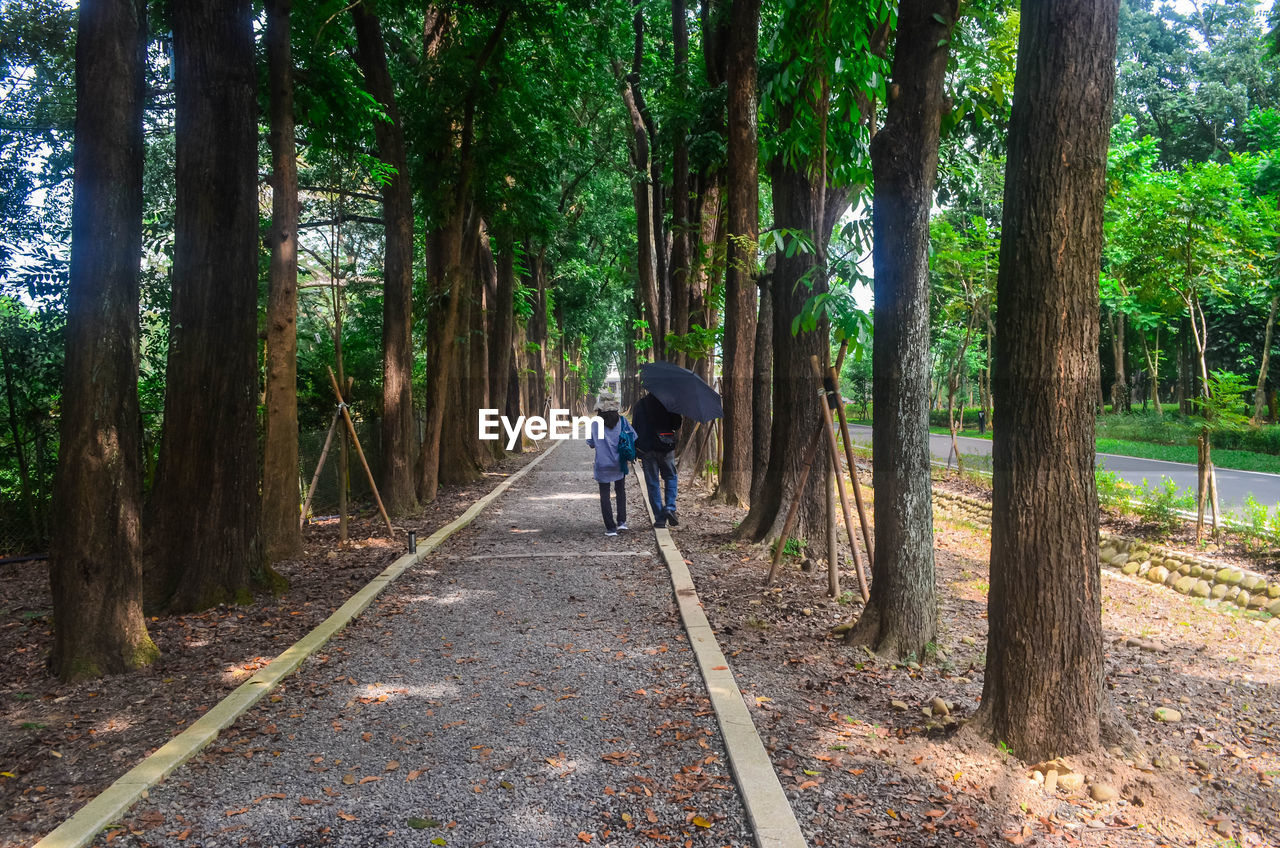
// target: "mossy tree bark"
[[95, 563], [204, 542], [396, 485], [901, 615], [281, 529], [742, 190]]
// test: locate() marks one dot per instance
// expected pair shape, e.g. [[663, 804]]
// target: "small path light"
[[413, 542]]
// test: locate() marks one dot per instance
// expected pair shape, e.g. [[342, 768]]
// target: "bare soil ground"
[[60, 744], [864, 770]]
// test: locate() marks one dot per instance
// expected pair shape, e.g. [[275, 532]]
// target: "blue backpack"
[[626, 446]]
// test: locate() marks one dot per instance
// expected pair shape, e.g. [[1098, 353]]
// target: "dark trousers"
[[606, 508]]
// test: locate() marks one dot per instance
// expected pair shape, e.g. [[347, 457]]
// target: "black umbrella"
[[681, 391]]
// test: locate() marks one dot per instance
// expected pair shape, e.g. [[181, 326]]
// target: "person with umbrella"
[[656, 428], [672, 392]]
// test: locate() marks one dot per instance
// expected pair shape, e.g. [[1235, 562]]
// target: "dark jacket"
[[650, 418]]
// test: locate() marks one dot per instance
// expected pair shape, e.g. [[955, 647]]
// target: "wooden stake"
[[391, 532], [853, 470], [324, 453], [844, 500]]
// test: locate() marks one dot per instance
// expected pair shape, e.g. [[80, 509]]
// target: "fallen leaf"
[[346, 816], [237, 812], [701, 822], [392, 766], [307, 802], [414, 775], [277, 795], [583, 836]]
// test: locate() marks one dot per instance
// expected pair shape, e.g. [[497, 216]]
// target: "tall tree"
[[743, 189], [396, 485], [1043, 693], [817, 54], [453, 262], [95, 559], [681, 226], [203, 543], [281, 530], [901, 616]]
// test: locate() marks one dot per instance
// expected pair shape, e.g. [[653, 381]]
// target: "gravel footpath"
[[528, 684]]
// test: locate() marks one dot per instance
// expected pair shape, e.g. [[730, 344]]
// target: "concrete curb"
[[83, 827], [772, 819]]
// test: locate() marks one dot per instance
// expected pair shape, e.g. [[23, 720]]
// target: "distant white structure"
[[613, 382]]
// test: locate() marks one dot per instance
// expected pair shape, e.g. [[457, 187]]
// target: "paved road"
[[1233, 485]]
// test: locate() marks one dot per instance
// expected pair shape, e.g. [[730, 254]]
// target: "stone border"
[[772, 819], [84, 826], [1186, 574], [1190, 575]]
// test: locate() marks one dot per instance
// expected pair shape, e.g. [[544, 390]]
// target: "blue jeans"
[[660, 465]]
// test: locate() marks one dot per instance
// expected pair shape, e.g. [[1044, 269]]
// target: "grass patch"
[[1239, 459]]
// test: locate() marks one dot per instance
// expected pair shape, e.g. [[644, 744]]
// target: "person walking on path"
[[656, 430], [609, 466]]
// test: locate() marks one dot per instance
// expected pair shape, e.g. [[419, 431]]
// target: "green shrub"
[[1159, 505], [1113, 493]]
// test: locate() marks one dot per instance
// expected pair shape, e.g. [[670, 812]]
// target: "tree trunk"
[[761, 393], [1043, 692], [503, 323], [204, 540], [95, 562], [1153, 368], [459, 448], [537, 332], [396, 484], [15, 432], [1260, 395], [681, 233], [642, 197], [1119, 383], [901, 616], [281, 529], [740, 267], [797, 416], [1186, 379], [441, 353]]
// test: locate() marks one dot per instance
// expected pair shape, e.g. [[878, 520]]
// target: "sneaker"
[[671, 518], [661, 522], [623, 526], [611, 532]]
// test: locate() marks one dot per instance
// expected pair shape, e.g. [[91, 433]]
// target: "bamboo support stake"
[[324, 453], [391, 532], [844, 500], [853, 470]]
